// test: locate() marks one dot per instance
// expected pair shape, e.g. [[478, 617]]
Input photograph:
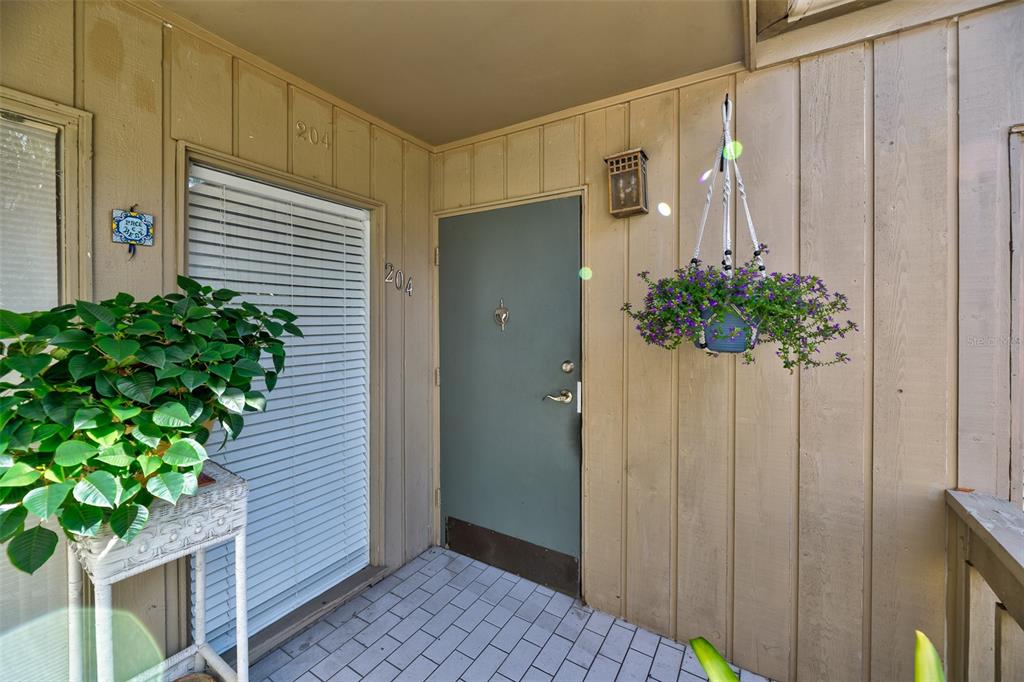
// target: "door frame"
[[581, 192]]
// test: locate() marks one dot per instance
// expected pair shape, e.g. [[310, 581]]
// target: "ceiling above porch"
[[446, 70]]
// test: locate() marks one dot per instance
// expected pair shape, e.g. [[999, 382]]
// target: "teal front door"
[[510, 367]]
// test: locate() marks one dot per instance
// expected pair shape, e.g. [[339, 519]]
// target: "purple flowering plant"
[[797, 312]]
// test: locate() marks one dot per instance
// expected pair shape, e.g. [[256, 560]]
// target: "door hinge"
[[437, 497], [437, 376], [437, 255]]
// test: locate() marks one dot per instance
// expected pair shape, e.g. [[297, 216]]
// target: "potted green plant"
[[730, 311], [106, 408]]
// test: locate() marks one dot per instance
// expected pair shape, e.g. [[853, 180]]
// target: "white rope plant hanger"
[[726, 155]]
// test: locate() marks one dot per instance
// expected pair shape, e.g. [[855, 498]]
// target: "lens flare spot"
[[586, 273], [704, 176], [733, 150], [664, 209]]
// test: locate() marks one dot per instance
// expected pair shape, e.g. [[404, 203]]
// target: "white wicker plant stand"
[[214, 515]]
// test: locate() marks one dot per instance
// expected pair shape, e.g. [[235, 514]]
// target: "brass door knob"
[[564, 397]]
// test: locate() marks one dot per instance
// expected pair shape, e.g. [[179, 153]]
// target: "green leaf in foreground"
[[927, 665], [128, 521], [18, 475], [712, 662], [185, 453], [119, 349], [44, 502], [30, 550], [171, 415], [73, 452], [28, 365], [167, 486], [81, 519], [98, 489], [11, 520]]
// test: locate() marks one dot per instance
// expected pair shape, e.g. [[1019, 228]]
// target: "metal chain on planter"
[[725, 161]]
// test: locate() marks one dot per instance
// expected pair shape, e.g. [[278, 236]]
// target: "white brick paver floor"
[[444, 616]]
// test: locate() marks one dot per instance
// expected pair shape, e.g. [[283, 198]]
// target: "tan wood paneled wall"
[[797, 521], [152, 81]]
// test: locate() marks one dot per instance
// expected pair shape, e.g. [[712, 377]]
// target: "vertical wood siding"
[[796, 520], [150, 85]]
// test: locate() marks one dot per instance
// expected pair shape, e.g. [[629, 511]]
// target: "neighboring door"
[[305, 458], [510, 455]]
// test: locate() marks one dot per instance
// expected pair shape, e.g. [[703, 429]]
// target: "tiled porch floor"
[[444, 616]]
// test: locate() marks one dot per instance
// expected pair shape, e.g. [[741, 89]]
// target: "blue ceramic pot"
[[721, 334]]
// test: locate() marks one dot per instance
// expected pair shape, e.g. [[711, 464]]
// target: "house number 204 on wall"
[[312, 134], [398, 278]]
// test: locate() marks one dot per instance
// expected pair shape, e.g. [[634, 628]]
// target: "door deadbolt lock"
[[568, 366]]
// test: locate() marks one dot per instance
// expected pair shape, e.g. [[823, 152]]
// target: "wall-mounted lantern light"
[[627, 183]]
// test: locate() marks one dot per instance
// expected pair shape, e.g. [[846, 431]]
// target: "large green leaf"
[[185, 453], [271, 379], [27, 365], [121, 410], [13, 324], [44, 502], [72, 339], [138, 386], [232, 399], [73, 452], [11, 521], [115, 455], [30, 550], [188, 285], [284, 315], [143, 326], [128, 521], [61, 407], [99, 489], [149, 464], [167, 486], [90, 418], [232, 424], [119, 349], [169, 371], [91, 313], [171, 415], [107, 435], [223, 371], [256, 400], [154, 356], [248, 368], [17, 435], [148, 434], [82, 365], [712, 662], [927, 664], [193, 378], [19, 475], [81, 519]]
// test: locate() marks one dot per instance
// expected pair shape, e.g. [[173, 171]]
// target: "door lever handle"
[[565, 396]]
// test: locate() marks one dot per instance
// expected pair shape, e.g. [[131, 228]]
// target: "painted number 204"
[[312, 134], [397, 277]]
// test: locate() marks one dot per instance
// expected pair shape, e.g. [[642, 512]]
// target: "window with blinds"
[[28, 215], [306, 457]]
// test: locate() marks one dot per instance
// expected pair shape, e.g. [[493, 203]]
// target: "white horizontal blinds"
[[306, 457], [28, 215]]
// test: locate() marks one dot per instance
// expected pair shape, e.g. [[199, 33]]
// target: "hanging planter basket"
[[728, 331], [727, 309]]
